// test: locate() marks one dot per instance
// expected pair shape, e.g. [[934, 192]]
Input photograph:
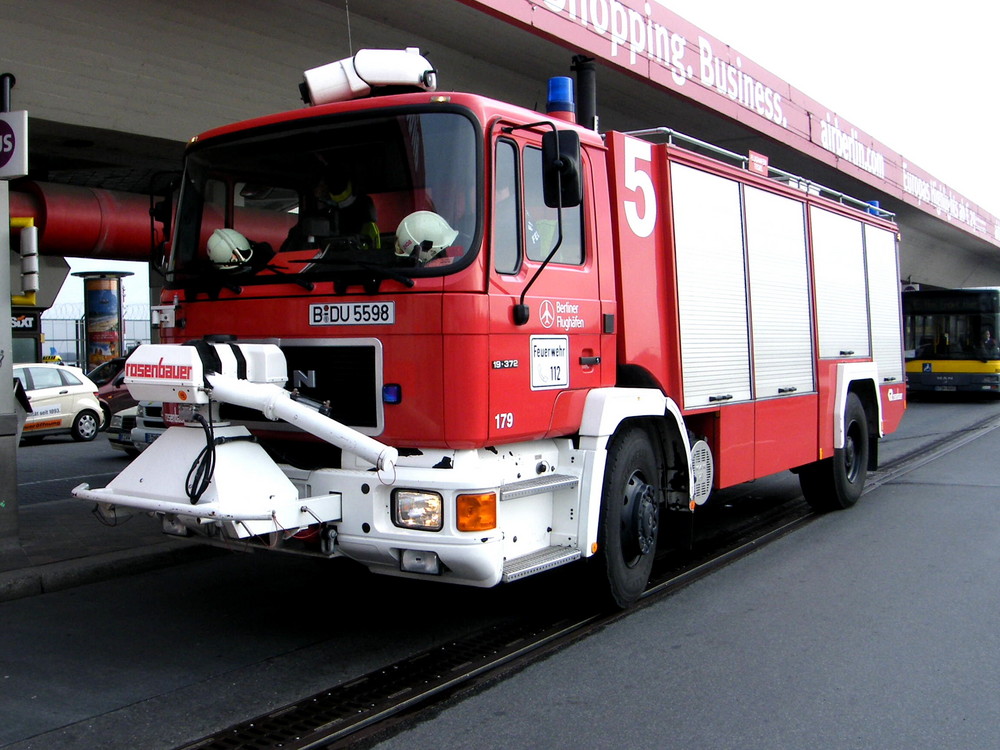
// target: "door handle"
[[590, 361]]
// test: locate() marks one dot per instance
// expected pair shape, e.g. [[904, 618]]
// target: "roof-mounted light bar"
[[369, 70]]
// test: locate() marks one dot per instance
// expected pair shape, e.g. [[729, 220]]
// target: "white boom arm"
[[276, 403], [248, 375], [247, 491]]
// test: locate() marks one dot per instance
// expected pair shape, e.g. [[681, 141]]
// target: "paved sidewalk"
[[62, 544]]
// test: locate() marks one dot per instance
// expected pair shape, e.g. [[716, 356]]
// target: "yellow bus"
[[950, 340]]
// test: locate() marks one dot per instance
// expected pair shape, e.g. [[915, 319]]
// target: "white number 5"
[[637, 179]]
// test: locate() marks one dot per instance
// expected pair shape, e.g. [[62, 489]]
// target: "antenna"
[[350, 43]]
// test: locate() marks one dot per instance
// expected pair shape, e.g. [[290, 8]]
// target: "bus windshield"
[[355, 200], [957, 324]]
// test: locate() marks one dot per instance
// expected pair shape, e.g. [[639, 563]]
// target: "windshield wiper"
[[304, 283], [385, 273]]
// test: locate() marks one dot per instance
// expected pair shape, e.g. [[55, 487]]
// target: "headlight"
[[116, 421], [415, 509]]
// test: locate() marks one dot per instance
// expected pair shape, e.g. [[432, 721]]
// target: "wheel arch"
[[859, 378], [607, 412]]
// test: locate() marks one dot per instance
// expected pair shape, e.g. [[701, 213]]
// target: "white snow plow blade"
[[249, 493]]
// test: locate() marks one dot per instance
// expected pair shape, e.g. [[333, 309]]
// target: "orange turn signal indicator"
[[476, 512]]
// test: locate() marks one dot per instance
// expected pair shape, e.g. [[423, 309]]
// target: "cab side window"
[[69, 378], [542, 222], [523, 226], [506, 213], [45, 377]]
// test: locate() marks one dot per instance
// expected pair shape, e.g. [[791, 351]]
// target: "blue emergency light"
[[560, 98]]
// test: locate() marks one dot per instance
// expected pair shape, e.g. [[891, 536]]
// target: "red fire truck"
[[518, 341]]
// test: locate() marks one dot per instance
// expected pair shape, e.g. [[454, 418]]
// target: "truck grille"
[[345, 373], [153, 415]]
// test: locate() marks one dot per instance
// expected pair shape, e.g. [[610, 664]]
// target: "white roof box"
[[355, 77]]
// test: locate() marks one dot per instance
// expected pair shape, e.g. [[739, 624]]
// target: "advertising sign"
[[13, 144], [647, 41], [102, 302]]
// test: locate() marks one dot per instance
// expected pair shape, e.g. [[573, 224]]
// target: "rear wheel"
[[85, 426], [836, 483], [630, 517]]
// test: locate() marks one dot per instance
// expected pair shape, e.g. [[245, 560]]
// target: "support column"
[[8, 417]]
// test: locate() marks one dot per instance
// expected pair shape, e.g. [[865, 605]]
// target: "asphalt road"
[[878, 627], [49, 468]]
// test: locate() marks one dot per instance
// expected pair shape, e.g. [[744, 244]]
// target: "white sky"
[[70, 297], [917, 75]]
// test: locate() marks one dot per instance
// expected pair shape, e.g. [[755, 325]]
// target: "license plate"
[[353, 314], [944, 388], [151, 436]]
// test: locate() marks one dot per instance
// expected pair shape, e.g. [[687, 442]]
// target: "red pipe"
[[82, 222]]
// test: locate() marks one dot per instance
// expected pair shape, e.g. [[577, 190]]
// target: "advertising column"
[[102, 309]]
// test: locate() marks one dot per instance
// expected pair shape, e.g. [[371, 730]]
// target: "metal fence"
[[67, 337]]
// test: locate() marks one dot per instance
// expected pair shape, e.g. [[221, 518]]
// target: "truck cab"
[[414, 341]]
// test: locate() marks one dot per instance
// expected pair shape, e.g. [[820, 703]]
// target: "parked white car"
[[63, 401]]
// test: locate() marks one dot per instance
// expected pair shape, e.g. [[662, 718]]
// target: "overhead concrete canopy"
[[115, 88]]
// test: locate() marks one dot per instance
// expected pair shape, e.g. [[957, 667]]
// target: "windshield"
[[106, 372], [951, 325], [353, 200]]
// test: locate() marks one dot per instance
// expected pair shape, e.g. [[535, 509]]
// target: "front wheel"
[[630, 517], [836, 483], [85, 426]]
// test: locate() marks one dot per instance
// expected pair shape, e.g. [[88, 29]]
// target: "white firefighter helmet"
[[227, 248], [420, 228]]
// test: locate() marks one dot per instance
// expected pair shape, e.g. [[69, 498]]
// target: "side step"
[[536, 562], [537, 485]]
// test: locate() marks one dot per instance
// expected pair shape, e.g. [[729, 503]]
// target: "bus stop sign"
[[13, 144]]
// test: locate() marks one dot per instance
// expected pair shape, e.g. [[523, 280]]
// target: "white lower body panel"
[[348, 511]]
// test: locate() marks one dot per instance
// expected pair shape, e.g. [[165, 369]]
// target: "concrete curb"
[[66, 574]]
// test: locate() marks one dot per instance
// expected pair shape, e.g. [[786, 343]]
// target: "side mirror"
[[561, 173], [161, 203], [162, 189]]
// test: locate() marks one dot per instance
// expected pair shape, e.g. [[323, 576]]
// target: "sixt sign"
[[24, 322], [13, 144]]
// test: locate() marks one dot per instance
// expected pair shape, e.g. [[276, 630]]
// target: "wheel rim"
[[852, 456], [640, 519], [87, 426]]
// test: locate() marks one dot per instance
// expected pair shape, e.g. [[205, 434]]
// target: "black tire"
[[630, 518], [836, 483], [86, 426], [106, 414]]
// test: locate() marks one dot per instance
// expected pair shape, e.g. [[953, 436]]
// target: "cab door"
[[541, 370]]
